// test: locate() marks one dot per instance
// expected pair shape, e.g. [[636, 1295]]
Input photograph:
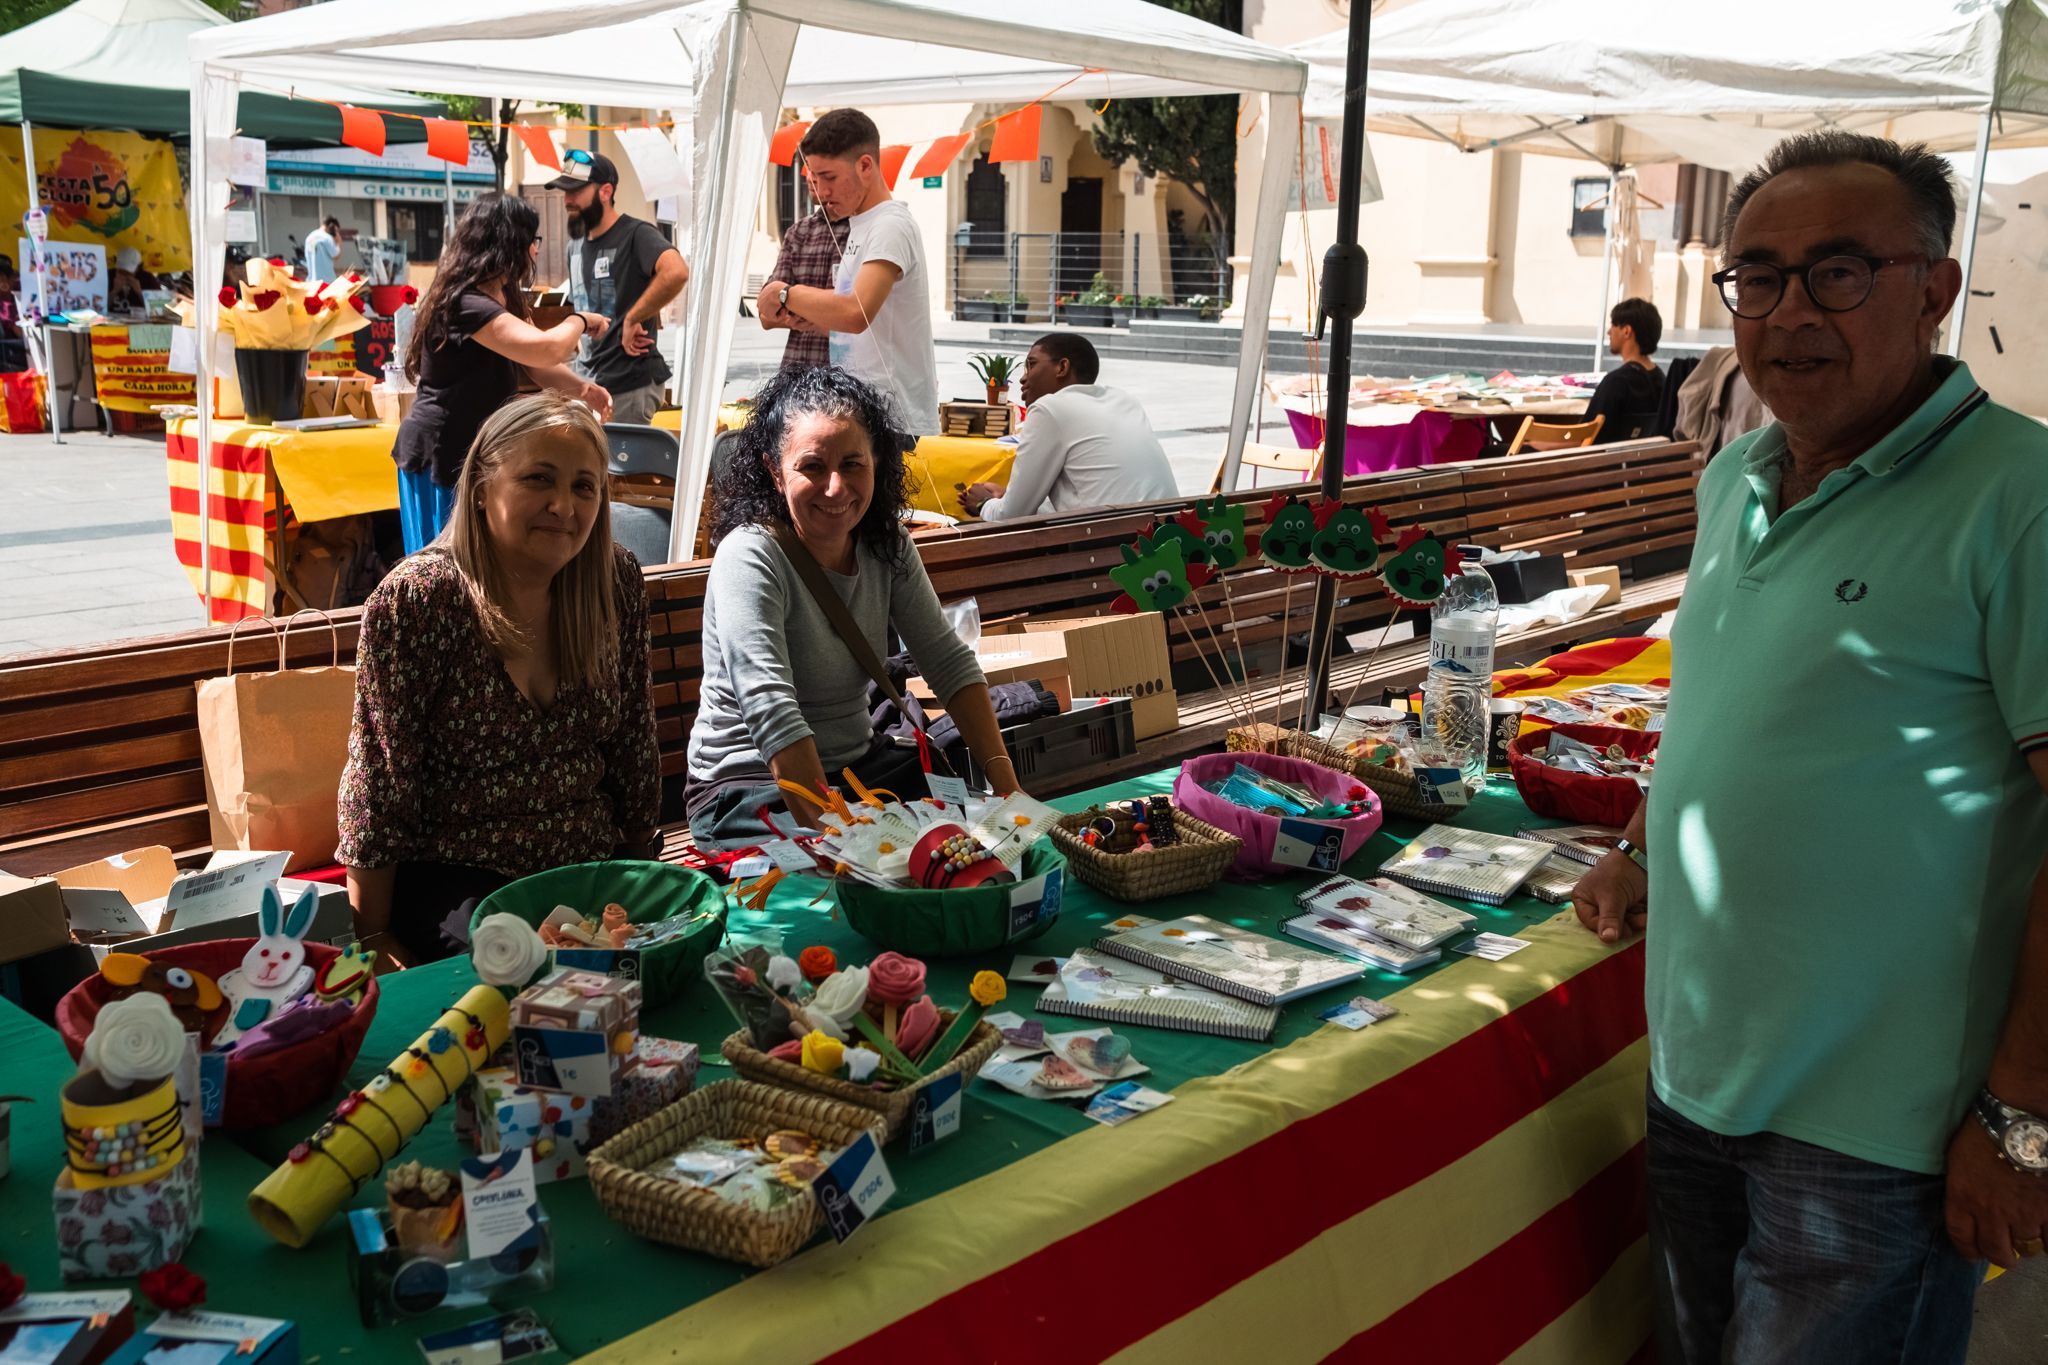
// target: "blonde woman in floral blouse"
[[503, 720]]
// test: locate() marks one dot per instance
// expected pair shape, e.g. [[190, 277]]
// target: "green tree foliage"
[[1193, 139], [481, 109], [15, 13]]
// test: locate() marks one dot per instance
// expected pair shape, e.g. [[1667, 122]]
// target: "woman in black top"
[[471, 338]]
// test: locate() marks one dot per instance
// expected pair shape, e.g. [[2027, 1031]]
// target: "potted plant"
[[991, 306], [1089, 308], [1122, 307], [995, 371], [1149, 306]]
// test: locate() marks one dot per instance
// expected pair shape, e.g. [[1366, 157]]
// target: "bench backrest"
[[99, 748]]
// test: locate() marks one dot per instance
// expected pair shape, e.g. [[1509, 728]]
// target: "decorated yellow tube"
[[371, 1126]]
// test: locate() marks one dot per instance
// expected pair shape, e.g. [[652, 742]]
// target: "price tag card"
[[213, 1087], [1442, 787], [1309, 844], [53, 1305], [1035, 901], [492, 1341], [1360, 1012], [197, 1324], [623, 963], [952, 791], [1492, 947], [935, 1114], [852, 1189], [499, 1207], [787, 855]]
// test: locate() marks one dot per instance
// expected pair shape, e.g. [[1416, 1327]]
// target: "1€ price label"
[[935, 1113], [1309, 844], [948, 790], [853, 1188]]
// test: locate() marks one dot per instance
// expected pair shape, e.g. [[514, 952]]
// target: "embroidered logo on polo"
[[1851, 590]]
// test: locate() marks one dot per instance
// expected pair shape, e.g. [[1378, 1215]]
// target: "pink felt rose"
[[791, 1051], [920, 1025], [894, 979]]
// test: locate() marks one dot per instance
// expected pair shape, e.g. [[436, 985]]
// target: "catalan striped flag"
[[240, 508]]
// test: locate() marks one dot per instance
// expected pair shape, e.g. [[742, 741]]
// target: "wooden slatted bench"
[[99, 747]]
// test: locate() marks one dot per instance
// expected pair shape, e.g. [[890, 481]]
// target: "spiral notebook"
[[1584, 843], [1340, 937], [1094, 985], [1222, 957], [1470, 863], [1386, 909], [1555, 880]]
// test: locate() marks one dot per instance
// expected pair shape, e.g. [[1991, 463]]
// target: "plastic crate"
[[1095, 731]]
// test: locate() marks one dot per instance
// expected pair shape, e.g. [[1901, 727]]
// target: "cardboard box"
[[78, 1327], [138, 901], [121, 1231], [557, 1126], [1013, 658], [31, 917], [658, 1073], [1116, 656], [1606, 575]]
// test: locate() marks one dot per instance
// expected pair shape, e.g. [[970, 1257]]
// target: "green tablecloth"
[[609, 1283]]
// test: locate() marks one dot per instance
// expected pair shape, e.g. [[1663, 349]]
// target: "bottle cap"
[[1471, 551]]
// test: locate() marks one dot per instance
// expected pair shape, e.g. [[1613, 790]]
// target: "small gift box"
[[119, 1231], [82, 1326], [557, 1126], [572, 1030], [658, 1072], [585, 1002]]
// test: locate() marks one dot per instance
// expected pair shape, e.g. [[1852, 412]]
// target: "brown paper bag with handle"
[[273, 745]]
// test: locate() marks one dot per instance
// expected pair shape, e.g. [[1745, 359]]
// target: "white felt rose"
[[839, 997], [784, 975], [506, 950], [861, 1064], [137, 1039]]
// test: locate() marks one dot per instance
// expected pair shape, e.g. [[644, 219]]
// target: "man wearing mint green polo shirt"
[[1840, 866]]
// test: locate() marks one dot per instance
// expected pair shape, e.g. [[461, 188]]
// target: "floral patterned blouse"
[[449, 762]]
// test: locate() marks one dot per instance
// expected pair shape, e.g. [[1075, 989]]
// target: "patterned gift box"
[[121, 1231], [659, 1071], [583, 1001], [555, 1125]]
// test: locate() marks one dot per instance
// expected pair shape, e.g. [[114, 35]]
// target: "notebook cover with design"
[[1468, 863], [1239, 962]]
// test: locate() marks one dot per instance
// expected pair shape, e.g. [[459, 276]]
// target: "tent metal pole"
[[1606, 272], [1342, 299], [42, 328], [1981, 164]]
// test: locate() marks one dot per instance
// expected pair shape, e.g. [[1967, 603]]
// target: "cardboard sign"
[[491, 1341], [854, 1187], [1441, 787], [213, 1087], [49, 1307], [935, 1112], [500, 1210], [1308, 843], [572, 1060], [1035, 901], [197, 1324], [623, 963], [951, 791]]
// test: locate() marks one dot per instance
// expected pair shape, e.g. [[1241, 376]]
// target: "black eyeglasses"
[[1836, 284]]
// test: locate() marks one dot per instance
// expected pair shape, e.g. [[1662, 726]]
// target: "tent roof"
[[1624, 82], [110, 64], [640, 52]]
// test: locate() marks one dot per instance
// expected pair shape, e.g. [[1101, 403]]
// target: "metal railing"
[[1024, 276]]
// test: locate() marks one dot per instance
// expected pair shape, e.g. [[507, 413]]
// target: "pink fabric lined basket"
[[1257, 830]]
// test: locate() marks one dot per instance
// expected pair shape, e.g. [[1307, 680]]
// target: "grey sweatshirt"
[[775, 671]]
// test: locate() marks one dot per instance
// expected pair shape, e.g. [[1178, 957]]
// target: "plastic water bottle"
[[1454, 719], [1464, 619]]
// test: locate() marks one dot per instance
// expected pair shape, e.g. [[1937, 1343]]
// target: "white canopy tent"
[[1628, 84], [735, 64]]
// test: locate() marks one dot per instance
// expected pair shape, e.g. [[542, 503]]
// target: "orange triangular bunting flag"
[[782, 148], [892, 163], [539, 145], [939, 155], [448, 140], [362, 128], [1016, 136]]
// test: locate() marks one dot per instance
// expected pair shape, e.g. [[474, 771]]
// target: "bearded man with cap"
[[625, 269]]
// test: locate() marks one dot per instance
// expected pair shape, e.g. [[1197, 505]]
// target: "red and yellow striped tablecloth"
[[1462, 1183]]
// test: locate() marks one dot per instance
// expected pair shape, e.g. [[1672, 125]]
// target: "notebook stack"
[[1378, 921], [1093, 985], [1556, 879], [1582, 843], [1232, 961], [1467, 863]]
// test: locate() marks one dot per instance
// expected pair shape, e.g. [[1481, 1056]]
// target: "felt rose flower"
[[137, 1039], [411, 295], [861, 1064], [894, 979], [228, 297], [265, 298], [314, 305], [817, 962], [838, 998], [784, 974], [920, 1025], [791, 1051], [506, 951], [11, 1285], [173, 1288], [987, 989], [823, 1054]]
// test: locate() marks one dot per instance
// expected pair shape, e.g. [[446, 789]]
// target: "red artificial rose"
[[265, 299], [172, 1288], [313, 304], [11, 1285], [411, 294], [228, 297], [361, 305], [277, 260]]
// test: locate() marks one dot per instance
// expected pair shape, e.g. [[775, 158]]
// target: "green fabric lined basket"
[[651, 892], [950, 923]]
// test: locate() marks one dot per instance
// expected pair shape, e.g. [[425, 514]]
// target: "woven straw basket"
[[698, 1219], [1398, 791], [892, 1106], [1198, 857]]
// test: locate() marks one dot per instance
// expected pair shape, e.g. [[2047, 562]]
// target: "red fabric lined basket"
[[261, 1090], [1579, 797]]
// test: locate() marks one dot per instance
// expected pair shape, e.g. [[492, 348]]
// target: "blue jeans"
[[1773, 1250]]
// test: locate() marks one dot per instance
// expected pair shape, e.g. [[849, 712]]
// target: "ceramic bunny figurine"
[[274, 971]]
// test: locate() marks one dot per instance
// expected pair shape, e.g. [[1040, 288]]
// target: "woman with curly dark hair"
[[818, 472], [472, 335]]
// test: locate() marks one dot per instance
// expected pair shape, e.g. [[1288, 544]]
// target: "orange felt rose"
[[817, 962]]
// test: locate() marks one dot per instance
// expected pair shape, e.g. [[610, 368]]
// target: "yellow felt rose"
[[823, 1054], [987, 988]]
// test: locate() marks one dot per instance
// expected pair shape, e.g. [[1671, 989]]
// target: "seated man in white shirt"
[[1082, 445]]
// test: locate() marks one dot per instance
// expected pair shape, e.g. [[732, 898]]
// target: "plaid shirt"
[[810, 253]]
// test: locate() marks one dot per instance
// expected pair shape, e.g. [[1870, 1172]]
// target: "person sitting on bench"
[[1629, 396], [504, 722], [1082, 445]]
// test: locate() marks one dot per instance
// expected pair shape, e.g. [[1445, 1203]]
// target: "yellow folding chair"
[[1535, 437]]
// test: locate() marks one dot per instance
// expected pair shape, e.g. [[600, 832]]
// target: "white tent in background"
[[1629, 84], [736, 64]]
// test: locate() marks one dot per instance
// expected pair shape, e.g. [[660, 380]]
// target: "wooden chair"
[[1304, 463], [1535, 436]]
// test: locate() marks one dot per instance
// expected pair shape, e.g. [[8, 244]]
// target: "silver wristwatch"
[[2021, 1137], [782, 297]]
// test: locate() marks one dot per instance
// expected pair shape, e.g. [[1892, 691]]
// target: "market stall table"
[[1383, 432], [1334, 1190]]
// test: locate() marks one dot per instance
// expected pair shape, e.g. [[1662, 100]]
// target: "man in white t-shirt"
[[878, 313], [323, 248], [1083, 444]]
